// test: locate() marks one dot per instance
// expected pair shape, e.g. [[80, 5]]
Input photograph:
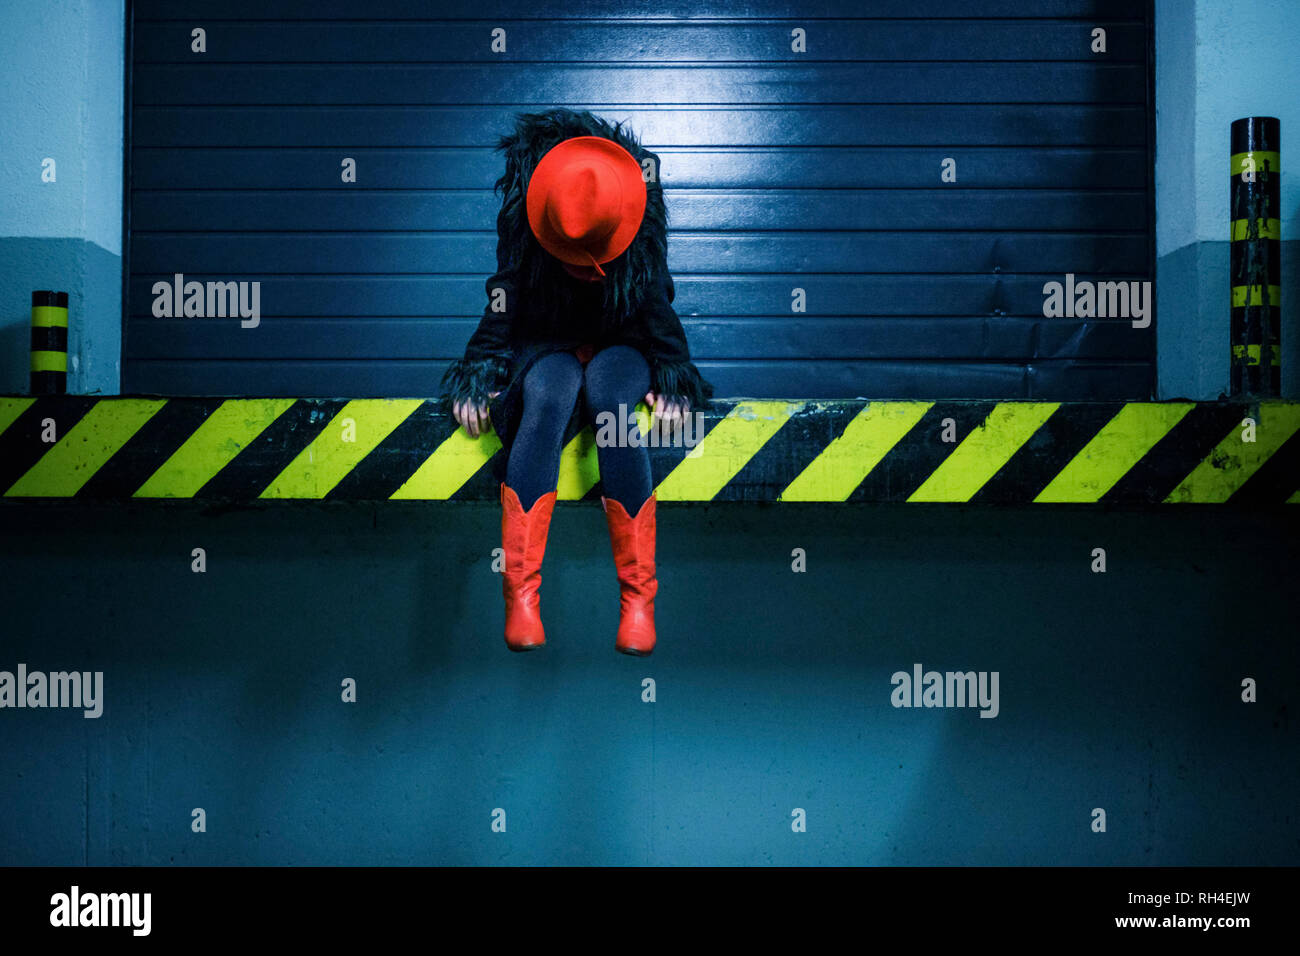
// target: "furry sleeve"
[[672, 373], [485, 366]]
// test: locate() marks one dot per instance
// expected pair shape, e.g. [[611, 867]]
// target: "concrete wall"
[[222, 689], [1217, 61], [61, 64]]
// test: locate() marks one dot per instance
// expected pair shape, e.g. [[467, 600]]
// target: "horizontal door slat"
[[905, 210], [570, 84], [910, 337], [816, 252], [756, 168], [1028, 126], [615, 41], [418, 296]]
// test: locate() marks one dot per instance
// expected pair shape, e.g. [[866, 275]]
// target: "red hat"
[[586, 199]]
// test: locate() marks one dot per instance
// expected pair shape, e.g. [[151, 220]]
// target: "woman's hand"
[[667, 411], [474, 417]]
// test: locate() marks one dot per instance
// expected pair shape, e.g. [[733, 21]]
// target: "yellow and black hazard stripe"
[[759, 450], [1255, 255], [49, 364]]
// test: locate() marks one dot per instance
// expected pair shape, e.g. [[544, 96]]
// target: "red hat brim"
[[545, 178]]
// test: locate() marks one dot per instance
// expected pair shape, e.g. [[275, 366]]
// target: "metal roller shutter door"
[[782, 170]]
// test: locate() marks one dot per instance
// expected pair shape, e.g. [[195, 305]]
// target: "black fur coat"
[[544, 309]]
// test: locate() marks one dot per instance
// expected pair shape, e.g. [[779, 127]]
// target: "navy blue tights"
[[615, 375]]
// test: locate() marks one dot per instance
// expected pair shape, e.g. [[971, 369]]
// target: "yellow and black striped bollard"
[[49, 343], [1256, 255]]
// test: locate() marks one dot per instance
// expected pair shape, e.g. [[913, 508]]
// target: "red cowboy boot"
[[523, 538], [633, 540]]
